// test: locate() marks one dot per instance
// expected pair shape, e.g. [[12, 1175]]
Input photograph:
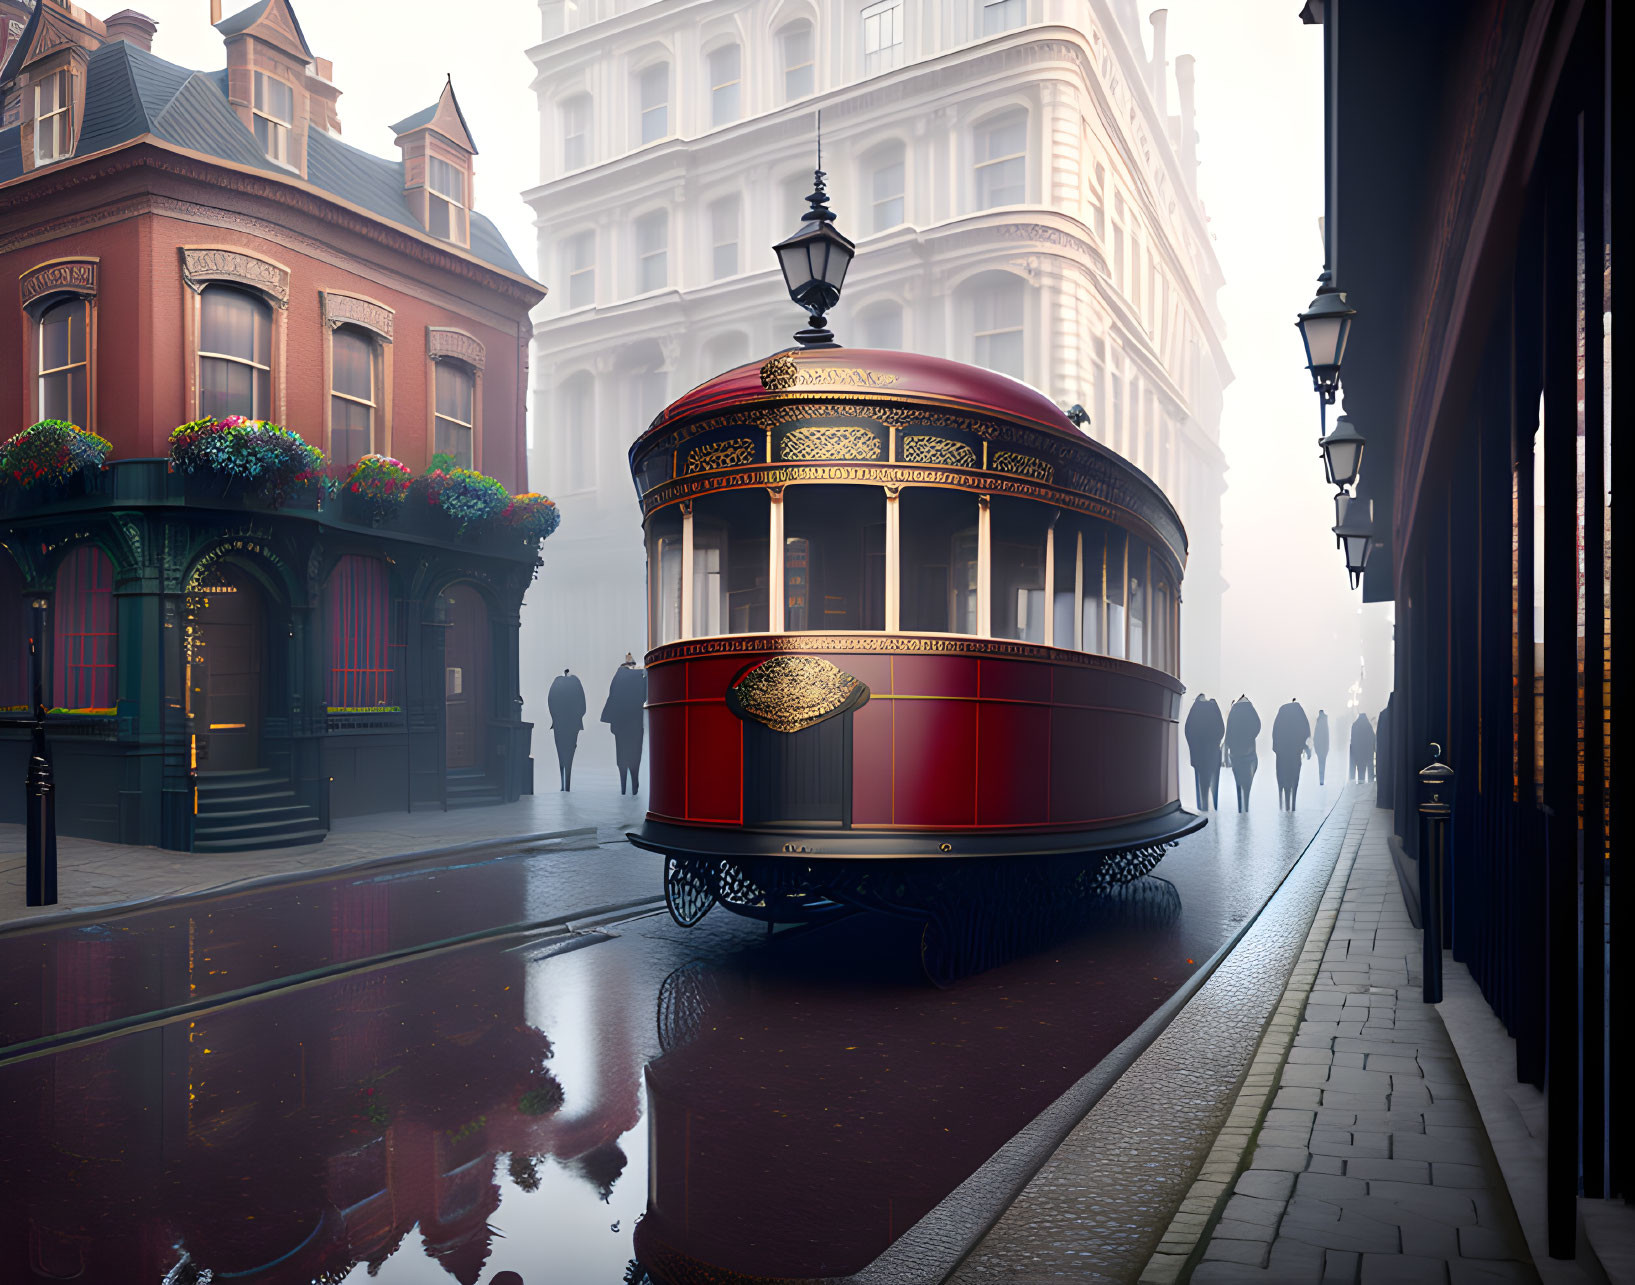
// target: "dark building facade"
[[191, 244], [1472, 206]]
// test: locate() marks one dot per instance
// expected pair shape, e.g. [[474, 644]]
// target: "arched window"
[[653, 251], [14, 628], [996, 307], [1002, 160], [653, 102], [85, 640], [235, 354], [576, 432], [882, 325], [726, 99], [353, 394], [795, 49], [575, 132], [357, 605], [64, 362], [887, 178], [456, 416]]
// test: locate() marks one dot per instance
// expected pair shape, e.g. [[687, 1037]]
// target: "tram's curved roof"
[[899, 387]]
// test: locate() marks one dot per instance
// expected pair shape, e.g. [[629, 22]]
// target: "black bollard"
[[1435, 816], [41, 807]]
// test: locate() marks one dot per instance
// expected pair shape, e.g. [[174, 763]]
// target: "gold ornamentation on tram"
[[820, 442], [788, 693], [1022, 466], [733, 453], [781, 372], [937, 450]]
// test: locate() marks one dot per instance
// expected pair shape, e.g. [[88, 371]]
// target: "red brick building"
[[192, 243]]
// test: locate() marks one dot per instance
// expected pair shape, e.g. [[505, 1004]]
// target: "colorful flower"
[[50, 453], [268, 456], [532, 516]]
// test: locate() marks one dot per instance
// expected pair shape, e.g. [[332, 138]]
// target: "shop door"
[[465, 675], [229, 615]]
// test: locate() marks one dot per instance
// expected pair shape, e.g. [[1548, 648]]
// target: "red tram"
[[902, 611]]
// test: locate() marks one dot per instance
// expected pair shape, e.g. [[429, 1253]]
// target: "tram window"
[[1095, 548], [1138, 603], [1162, 605], [730, 566], [1065, 598], [834, 558], [664, 576], [1115, 593], [1019, 528], [938, 581]]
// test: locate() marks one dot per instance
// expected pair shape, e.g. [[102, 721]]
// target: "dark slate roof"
[[416, 121], [130, 92]]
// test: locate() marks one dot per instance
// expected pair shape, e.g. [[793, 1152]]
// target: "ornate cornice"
[[355, 310], [445, 341], [204, 265], [77, 275]]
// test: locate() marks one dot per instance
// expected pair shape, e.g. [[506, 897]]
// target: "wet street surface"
[[781, 1105]]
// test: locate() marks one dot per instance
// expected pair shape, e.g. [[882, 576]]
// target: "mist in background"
[[1292, 627]]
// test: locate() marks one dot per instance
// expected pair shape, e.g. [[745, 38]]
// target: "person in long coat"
[[1204, 729], [1362, 749], [1382, 754], [566, 703], [624, 713], [1291, 731], [1319, 743], [1242, 728]]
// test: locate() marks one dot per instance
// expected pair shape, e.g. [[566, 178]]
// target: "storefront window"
[[938, 580], [730, 564], [1019, 531], [664, 576], [834, 558]]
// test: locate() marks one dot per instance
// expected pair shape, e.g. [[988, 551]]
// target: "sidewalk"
[[92, 875], [1359, 1156]]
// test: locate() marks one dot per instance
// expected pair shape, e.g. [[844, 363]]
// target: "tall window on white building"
[[887, 174], [576, 432], [1002, 160], [653, 102], [575, 132], [1098, 201], [795, 47], [724, 238], [882, 37], [881, 326], [996, 307], [579, 269], [653, 251], [1002, 15], [725, 85]]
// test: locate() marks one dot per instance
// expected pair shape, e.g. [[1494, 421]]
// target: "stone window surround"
[[448, 343], [41, 286], [343, 308], [231, 265]]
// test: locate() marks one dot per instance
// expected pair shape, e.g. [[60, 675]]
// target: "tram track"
[[555, 935]]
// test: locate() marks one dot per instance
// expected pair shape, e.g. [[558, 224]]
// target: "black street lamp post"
[[1356, 536], [1435, 816], [814, 259], [1343, 452], [41, 881], [1324, 328]]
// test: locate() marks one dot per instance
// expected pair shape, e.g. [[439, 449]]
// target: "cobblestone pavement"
[[1371, 1164], [1096, 1209], [92, 875]]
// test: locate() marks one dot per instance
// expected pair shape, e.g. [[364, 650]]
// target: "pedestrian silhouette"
[[1242, 727], [1319, 742], [566, 703], [624, 711], [1204, 729], [1362, 749], [1382, 750], [1290, 733]]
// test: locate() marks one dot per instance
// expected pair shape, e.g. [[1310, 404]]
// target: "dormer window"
[[53, 139], [446, 201], [274, 113]]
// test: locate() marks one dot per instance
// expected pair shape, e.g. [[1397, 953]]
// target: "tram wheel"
[[688, 890]]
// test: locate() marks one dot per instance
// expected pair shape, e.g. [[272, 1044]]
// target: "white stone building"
[[1020, 196]]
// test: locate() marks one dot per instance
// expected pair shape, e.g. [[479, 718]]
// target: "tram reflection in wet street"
[[481, 1107]]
